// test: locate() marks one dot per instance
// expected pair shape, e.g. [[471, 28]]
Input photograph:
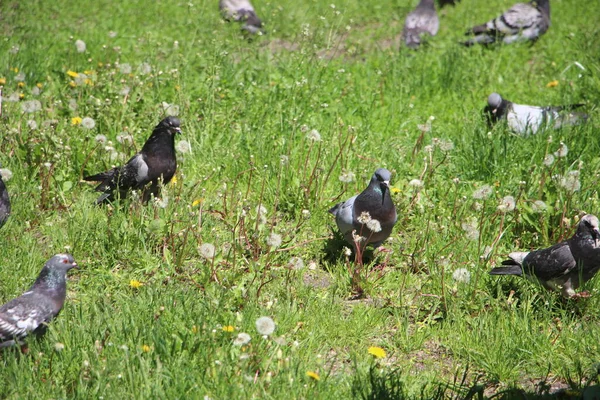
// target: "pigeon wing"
[[23, 315], [550, 263]]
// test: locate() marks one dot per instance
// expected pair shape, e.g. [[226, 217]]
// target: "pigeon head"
[[381, 180], [55, 271], [589, 227], [494, 101], [170, 124]]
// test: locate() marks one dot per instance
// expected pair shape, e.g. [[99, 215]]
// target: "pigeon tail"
[[508, 270]]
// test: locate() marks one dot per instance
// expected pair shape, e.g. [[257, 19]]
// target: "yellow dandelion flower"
[[228, 328], [174, 179], [15, 69], [2, 81], [100, 64], [395, 190], [313, 375], [21, 84], [135, 284], [89, 82], [21, 96], [72, 84], [150, 84], [72, 74], [177, 87], [40, 85], [76, 120], [146, 348], [377, 352], [553, 83], [195, 329], [197, 202], [88, 72]]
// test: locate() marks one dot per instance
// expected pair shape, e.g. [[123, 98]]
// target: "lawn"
[[280, 128]]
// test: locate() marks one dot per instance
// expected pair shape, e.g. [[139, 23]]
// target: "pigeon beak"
[[75, 265], [596, 235], [177, 130]]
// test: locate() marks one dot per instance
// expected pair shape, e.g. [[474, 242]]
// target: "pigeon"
[[524, 120], [422, 19], [375, 200], [522, 22], [241, 11], [4, 203], [156, 161], [444, 3], [564, 266], [34, 309]]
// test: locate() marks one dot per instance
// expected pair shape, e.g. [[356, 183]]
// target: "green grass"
[[245, 106]]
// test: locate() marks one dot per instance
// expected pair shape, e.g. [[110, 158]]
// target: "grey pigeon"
[[241, 11], [564, 266], [374, 200], [524, 119], [422, 19], [4, 203], [34, 309], [156, 161], [522, 22]]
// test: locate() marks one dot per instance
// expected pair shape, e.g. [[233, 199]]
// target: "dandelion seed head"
[[416, 183], [242, 339], [170, 109], [124, 138], [284, 160], [125, 68], [314, 135], [183, 146], [461, 275], [101, 139], [6, 174], [562, 151], [347, 176], [112, 34], [145, 68], [538, 206], [274, 240], [207, 250], [31, 124], [36, 91], [446, 146], [80, 46], [295, 263], [88, 123], [483, 192], [31, 106], [305, 214], [548, 160], [471, 229], [364, 217], [347, 252], [507, 204], [58, 347], [374, 225], [570, 181], [265, 326]]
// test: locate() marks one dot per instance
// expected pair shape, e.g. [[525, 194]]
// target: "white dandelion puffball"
[[100, 139], [562, 151], [374, 225], [416, 183], [171, 110], [314, 135], [207, 250], [145, 68], [571, 181], [183, 146], [31, 106], [88, 123], [461, 275], [6, 173], [242, 339], [483, 192], [265, 326], [539, 206], [125, 68], [296, 263], [548, 160], [507, 204], [274, 240], [80, 46], [32, 124], [124, 138], [364, 217], [347, 177]]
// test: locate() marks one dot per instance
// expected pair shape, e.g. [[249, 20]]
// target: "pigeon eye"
[[65, 261]]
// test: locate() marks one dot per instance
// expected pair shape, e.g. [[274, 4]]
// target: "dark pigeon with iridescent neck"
[[521, 22], [564, 266], [374, 200], [34, 309], [4, 203], [154, 163]]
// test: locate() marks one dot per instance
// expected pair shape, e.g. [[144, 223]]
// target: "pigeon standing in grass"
[[370, 215], [564, 266], [523, 119], [4, 203], [155, 162], [31, 312], [241, 11], [423, 19], [522, 22]]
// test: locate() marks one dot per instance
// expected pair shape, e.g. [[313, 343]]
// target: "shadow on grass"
[[378, 384]]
